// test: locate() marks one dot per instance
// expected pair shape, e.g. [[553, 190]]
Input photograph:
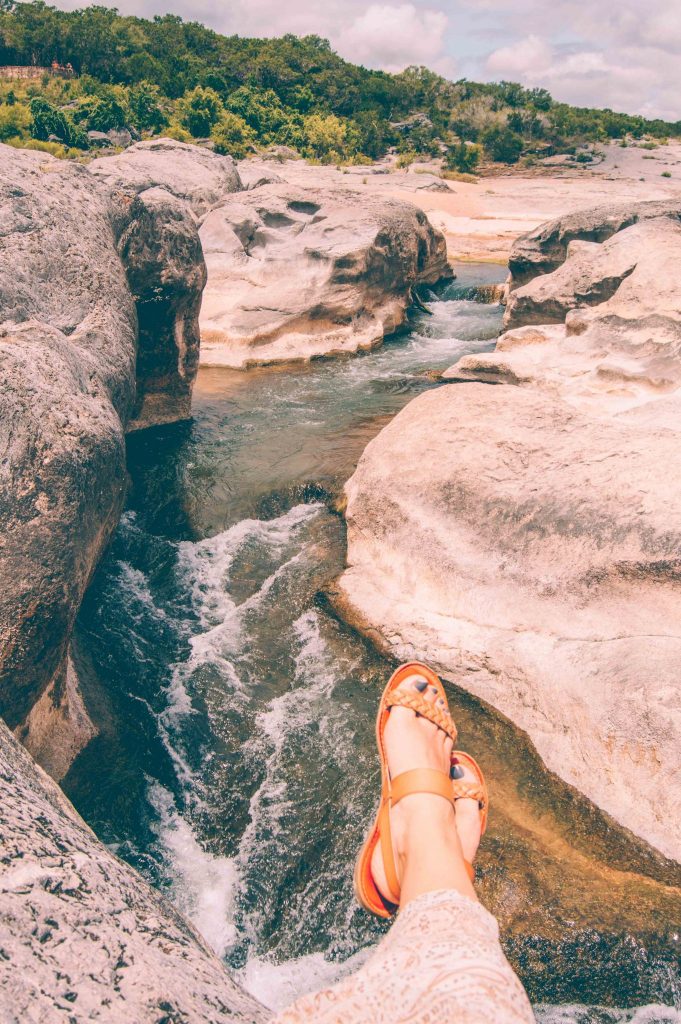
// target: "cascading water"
[[236, 765]]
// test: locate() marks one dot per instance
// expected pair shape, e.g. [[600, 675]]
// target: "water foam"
[[204, 885], [577, 1014], [277, 985]]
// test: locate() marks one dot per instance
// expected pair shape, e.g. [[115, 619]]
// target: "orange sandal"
[[466, 789], [418, 780]]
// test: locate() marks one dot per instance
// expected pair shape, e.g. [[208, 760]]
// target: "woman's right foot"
[[412, 741]]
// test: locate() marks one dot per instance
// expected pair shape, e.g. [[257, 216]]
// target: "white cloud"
[[623, 56], [393, 36], [618, 53], [529, 55]]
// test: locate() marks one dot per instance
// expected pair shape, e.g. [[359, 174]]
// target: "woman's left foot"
[[412, 741]]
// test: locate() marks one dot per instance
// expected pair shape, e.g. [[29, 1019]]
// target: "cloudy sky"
[[623, 54]]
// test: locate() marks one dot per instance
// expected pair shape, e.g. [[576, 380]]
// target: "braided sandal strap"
[[463, 789], [415, 702]]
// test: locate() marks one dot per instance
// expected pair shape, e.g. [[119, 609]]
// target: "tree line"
[[179, 78]]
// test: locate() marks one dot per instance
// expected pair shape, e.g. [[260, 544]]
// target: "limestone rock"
[[543, 250], [594, 275], [530, 552], [76, 370], [192, 173], [295, 273], [166, 272], [525, 539], [82, 936], [68, 366]]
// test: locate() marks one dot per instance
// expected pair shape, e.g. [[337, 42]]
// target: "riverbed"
[[236, 765]]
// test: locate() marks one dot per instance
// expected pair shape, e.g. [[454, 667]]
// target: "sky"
[[623, 54]]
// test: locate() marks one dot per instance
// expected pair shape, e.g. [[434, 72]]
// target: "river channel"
[[236, 766]]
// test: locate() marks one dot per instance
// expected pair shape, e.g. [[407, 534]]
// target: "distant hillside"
[[177, 78]]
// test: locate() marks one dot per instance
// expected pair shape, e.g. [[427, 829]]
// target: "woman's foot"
[[430, 840]]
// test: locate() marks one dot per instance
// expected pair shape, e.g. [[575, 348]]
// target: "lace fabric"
[[440, 963]]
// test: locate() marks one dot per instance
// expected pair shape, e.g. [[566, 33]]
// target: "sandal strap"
[[386, 840], [464, 789], [421, 780], [415, 702]]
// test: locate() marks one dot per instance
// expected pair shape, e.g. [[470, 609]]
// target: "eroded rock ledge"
[[82, 936], [295, 273], [525, 538]]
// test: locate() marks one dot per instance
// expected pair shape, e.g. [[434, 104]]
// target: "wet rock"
[[166, 272], [68, 341], [295, 273], [523, 537], [83, 936]]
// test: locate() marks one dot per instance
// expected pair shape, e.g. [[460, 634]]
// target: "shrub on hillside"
[[463, 157], [232, 135], [46, 120], [146, 113], [14, 120], [502, 144], [201, 110]]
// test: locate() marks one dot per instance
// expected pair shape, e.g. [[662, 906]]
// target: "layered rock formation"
[[82, 936], [525, 539], [79, 271], [295, 273]]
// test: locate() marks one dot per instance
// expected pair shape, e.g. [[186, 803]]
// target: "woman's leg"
[[441, 962]]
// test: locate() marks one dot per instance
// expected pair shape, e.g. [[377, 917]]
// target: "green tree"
[[202, 108], [146, 113], [502, 144], [232, 135], [261, 109], [328, 138], [106, 113], [15, 119], [46, 120], [540, 99], [463, 157]]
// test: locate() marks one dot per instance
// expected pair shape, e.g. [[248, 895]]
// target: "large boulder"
[[295, 273], [192, 173], [79, 271], [82, 936], [543, 250], [525, 537]]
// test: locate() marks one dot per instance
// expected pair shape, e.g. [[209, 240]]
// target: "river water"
[[236, 765]]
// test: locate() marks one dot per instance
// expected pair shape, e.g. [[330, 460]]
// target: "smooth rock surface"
[[525, 537], [296, 273], [78, 271], [543, 250], [82, 936], [197, 175]]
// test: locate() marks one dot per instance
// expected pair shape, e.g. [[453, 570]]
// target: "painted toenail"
[[456, 772], [421, 685]]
